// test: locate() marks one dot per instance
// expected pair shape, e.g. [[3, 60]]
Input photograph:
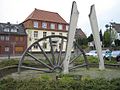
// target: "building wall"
[[30, 24], [30, 29], [115, 34], [118, 34], [31, 38], [15, 45]]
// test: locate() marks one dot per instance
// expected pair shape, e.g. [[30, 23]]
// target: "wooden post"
[[71, 34], [95, 30]]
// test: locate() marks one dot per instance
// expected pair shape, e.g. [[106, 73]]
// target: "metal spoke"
[[60, 53], [77, 66], [45, 54], [52, 51], [56, 62], [32, 68], [39, 60], [73, 59], [83, 55]]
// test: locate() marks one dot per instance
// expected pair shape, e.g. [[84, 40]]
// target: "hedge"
[[64, 83]]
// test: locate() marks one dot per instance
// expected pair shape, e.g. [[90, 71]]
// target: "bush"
[[92, 59], [65, 83], [8, 63], [16, 62]]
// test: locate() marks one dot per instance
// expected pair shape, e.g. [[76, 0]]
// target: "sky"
[[16, 11]]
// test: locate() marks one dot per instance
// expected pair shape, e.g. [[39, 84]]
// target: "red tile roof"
[[46, 16]]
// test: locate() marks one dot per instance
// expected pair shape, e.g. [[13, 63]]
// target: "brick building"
[[13, 39]]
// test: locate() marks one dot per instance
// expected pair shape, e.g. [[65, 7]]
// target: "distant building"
[[116, 28], [79, 33], [42, 23], [13, 39]]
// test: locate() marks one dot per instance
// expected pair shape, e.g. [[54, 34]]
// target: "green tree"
[[117, 42], [90, 38], [82, 42], [101, 37], [106, 38]]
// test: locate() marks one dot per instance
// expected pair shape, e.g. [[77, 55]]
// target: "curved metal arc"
[[51, 36], [59, 62], [22, 58], [23, 55]]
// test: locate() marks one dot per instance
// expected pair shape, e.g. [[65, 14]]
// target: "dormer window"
[[35, 24], [6, 29], [44, 25], [60, 27], [13, 30]]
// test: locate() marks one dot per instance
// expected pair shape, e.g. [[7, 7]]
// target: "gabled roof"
[[116, 26], [46, 16], [13, 29], [79, 33]]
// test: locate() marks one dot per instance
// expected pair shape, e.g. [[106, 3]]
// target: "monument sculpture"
[[95, 30], [56, 61]]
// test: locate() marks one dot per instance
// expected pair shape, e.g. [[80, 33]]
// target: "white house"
[[42, 23]]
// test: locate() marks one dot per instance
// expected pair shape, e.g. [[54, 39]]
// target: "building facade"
[[13, 39], [116, 29], [42, 23]]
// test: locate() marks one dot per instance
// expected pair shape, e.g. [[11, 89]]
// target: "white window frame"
[[44, 25], [35, 23], [2, 37], [13, 30], [7, 49], [7, 38], [60, 26], [35, 34], [44, 34], [52, 26], [6, 29]]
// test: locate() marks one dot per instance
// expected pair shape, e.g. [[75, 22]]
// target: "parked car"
[[118, 58], [111, 54], [92, 53]]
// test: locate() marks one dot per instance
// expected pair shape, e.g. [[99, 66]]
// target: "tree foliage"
[[117, 42], [90, 38], [101, 37], [82, 42], [106, 38]]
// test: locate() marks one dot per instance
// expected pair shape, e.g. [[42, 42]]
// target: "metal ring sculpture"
[[53, 61]]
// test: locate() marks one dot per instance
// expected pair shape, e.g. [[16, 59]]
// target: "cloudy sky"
[[15, 11]]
